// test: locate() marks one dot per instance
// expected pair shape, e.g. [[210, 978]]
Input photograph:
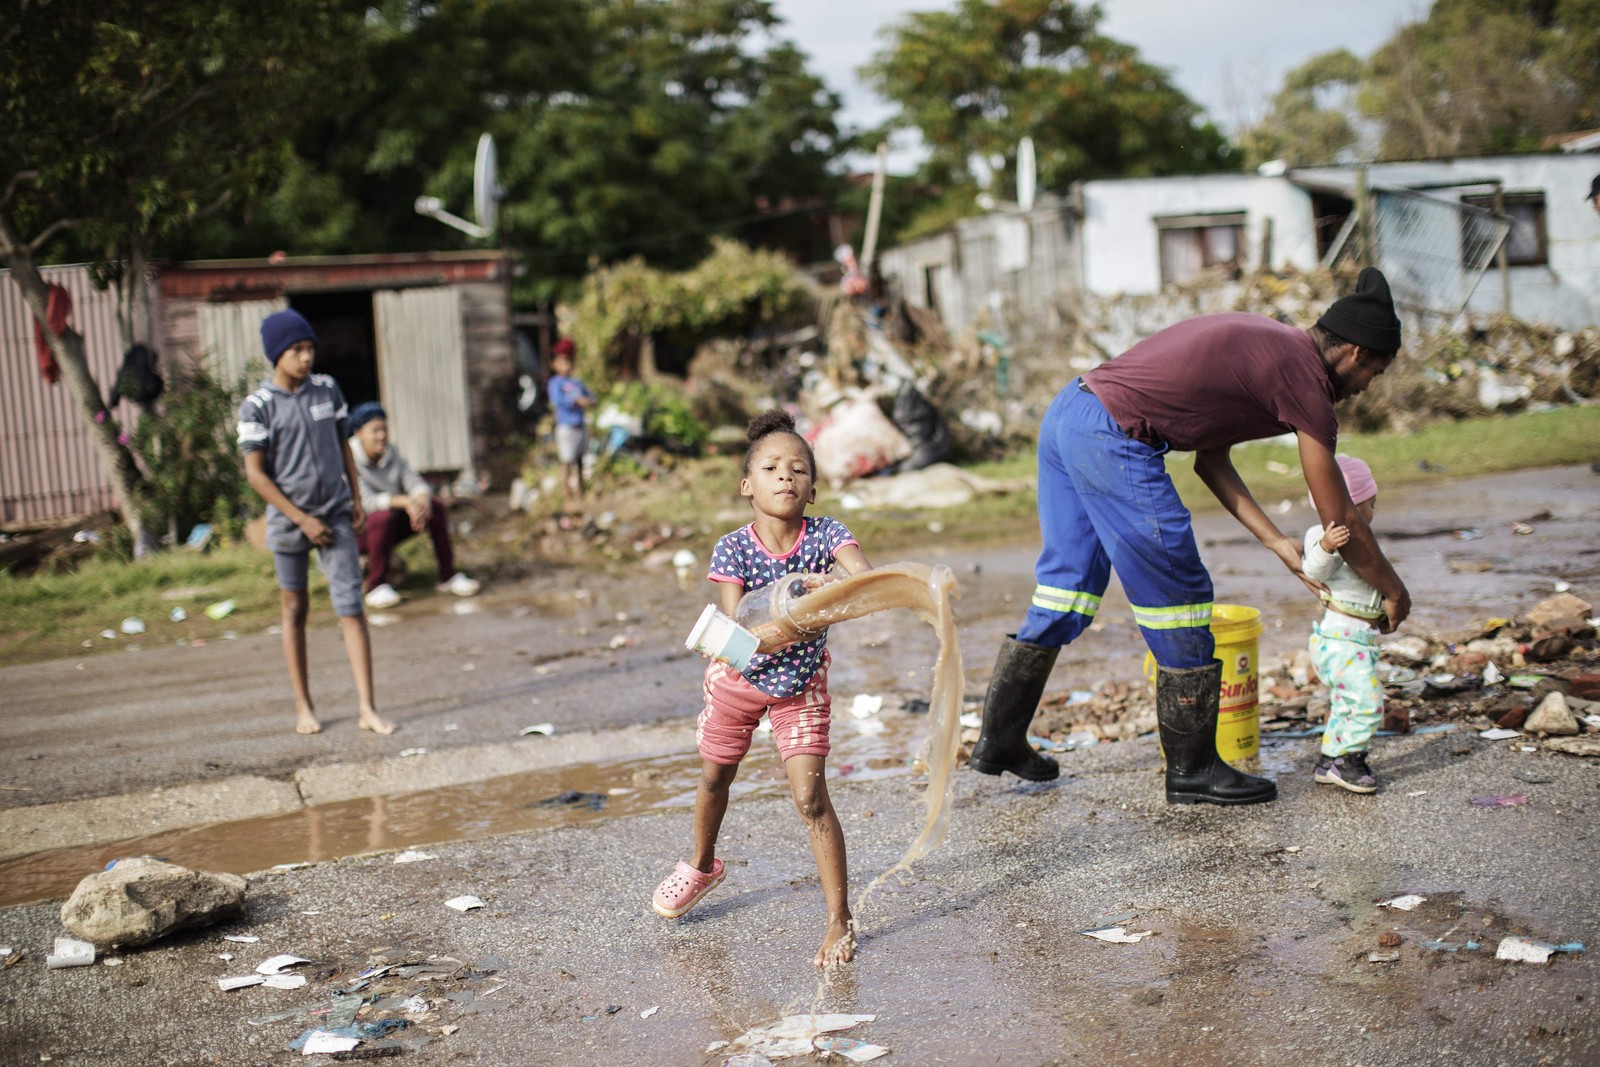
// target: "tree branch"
[[49, 232]]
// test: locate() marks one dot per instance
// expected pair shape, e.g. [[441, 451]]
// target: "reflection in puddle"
[[536, 800]]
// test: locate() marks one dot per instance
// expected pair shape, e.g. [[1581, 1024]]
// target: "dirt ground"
[[1263, 918]]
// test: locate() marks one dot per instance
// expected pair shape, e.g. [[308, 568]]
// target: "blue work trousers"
[[1105, 501]]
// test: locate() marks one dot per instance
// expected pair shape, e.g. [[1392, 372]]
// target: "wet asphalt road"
[[122, 721], [1259, 953]]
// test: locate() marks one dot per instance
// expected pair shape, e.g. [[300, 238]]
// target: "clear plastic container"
[[767, 612]]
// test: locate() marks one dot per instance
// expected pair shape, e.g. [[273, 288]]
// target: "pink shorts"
[[734, 707]]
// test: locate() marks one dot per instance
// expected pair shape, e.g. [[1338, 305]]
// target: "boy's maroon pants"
[[386, 529]]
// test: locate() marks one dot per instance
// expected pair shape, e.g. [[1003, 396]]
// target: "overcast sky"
[[1228, 55]]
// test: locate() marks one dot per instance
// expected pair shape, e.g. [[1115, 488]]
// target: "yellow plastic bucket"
[[1237, 630]]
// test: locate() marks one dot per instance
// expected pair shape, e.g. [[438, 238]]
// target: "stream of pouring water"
[[927, 592]]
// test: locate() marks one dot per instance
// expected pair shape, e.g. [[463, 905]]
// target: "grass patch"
[[50, 615]]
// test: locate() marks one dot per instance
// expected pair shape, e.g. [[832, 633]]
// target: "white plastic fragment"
[[793, 1035], [544, 729], [1383, 957], [240, 981], [971, 720], [290, 866], [224, 956], [1498, 733], [413, 855], [321, 1042], [278, 963], [866, 705], [1404, 903], [414, 1005], [465, 903], [243, 939], [70, 952], [413, 752], [1492, 675], [649, 1012], [1117, 935], [1524, 950], [284, 981], [851, 1049]]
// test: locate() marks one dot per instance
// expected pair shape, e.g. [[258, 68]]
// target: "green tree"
[[624, 127], [1479, 77], [1313, 117], [975, 79], [123, 123]]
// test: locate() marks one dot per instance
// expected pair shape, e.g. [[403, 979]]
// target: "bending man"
[[1105, 501]]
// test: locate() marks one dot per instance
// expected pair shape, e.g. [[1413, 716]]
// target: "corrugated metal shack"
[[1010, 269], [427, 334], [48, 465]]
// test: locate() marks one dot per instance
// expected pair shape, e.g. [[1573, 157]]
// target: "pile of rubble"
[[1539, 674]]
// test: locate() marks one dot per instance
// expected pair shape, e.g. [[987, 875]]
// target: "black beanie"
[[1366, 317]]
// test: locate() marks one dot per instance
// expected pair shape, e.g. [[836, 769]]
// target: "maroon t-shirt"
[[1217, 380]]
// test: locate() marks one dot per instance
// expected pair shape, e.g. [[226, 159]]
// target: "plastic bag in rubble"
[[856, 440], [924, 427]]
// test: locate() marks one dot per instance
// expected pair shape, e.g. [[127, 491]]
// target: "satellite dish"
[[1027, 174], [486, 191], [486, 195]]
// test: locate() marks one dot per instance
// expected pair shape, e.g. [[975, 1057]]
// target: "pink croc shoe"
[[683, 889]]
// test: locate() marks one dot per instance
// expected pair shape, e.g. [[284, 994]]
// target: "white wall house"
[[1139, 234], [1434, 233]]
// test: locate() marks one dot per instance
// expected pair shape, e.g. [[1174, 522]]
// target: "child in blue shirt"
[[292, 432], [569, 398]]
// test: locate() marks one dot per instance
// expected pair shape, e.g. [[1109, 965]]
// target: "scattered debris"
[[412, 855], [1383, 957], [851, 1049], [1531, 950], [132, 625], [649, 1011], [70, 952], [276, 964], [220, 610], [1117, 935], [1499, 800], [792, 1035], [465, 903], [1498, 733], [243, 939], [1408, 902], [865, 705], [543, 729], [408, 752]]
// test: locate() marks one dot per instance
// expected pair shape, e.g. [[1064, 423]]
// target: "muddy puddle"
[[887, 744]]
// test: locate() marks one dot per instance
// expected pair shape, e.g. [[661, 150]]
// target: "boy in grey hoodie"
[[399, 503], [292, 432]]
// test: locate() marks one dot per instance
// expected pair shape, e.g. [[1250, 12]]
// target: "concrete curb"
[[101, 820]]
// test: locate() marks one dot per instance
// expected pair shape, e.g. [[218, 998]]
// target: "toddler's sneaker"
[[1349, 771], [460, 585], [383, 596]]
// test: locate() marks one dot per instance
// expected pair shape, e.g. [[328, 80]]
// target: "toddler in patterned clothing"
[[788, 684], [1344, 645]]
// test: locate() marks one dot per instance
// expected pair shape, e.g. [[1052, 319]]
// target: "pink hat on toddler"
[[1358, 479]]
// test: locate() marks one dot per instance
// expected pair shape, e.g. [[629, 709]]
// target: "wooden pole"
[[869, 244]]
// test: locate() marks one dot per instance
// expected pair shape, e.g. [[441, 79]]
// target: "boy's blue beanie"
[[281, 329]]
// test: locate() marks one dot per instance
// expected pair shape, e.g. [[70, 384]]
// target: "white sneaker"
[[383, 597], [460, 585]]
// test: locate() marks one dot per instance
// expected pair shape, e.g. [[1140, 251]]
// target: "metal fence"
[[1434, 251]]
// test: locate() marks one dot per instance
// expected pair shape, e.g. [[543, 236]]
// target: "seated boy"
[[398, 504]]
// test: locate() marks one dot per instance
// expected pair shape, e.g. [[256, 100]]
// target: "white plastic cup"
[[721, 638]]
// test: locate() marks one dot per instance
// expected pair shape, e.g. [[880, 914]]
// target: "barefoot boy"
[[292, 432]]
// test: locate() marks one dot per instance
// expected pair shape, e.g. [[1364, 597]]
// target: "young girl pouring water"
[[788, 684]]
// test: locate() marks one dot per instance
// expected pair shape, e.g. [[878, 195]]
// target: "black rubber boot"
[[1186, 710], [1020, 673]]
